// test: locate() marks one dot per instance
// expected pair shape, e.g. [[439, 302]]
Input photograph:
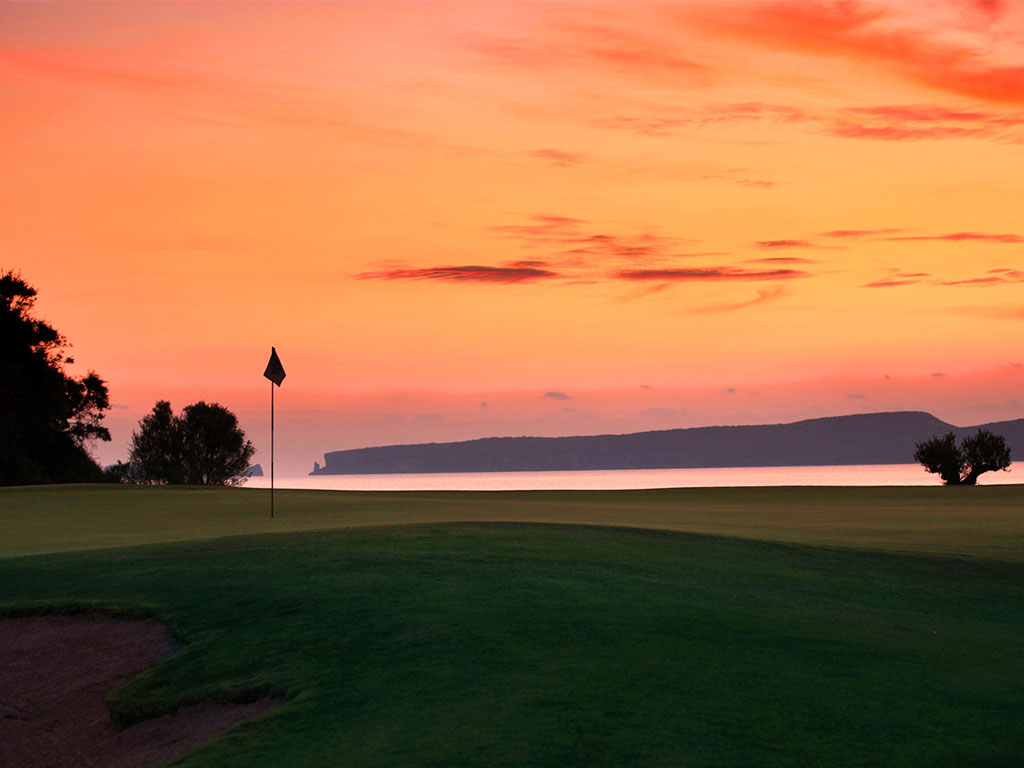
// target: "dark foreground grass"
[[511, 644]]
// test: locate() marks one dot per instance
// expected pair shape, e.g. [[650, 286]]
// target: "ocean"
[[622, 479]]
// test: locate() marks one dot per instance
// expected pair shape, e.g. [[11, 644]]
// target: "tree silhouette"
[[155, 453], [47, 418], [983, 452], [202, 446]]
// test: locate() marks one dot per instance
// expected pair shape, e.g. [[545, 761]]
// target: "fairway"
[[983, 521], [403, 637]]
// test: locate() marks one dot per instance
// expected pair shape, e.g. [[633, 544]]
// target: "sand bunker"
[[56, 671]]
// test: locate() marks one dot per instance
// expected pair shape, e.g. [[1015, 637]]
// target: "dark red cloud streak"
[[703, 274], [471, 274]]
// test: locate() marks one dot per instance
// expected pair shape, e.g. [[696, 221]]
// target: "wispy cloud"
[[897, 277], [572, 45], [890, 282], [556, 396], [574, 242], [472, 274], [917, 122], [870, 35], [557, 157], [1004, 312], [710, 274], [781, 244], [662, 121], [764, 296], [782, 260], [208, 95], [736, 177], [889, 234], [571, 251], [958, 237], [855, 233], [993, 277]]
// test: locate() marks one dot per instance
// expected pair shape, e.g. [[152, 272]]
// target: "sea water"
[[622, 479]]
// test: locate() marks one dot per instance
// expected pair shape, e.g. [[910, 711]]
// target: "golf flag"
[[275, 371]]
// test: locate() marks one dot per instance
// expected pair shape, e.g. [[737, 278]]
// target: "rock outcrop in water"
[[874, 438]]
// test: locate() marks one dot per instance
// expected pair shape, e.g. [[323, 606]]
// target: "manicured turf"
[[984, 521], [518, 644]]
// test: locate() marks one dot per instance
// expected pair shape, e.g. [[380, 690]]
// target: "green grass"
[[985, 521], [505, 644]]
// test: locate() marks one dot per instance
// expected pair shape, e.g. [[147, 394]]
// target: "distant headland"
[[873, 438]]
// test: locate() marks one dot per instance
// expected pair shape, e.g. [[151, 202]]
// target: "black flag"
[[275, 371]]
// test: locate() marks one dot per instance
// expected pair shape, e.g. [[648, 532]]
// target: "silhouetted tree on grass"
[[202, 446], [976, 454], [47, 418]]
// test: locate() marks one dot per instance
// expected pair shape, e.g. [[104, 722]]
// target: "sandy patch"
[[56, 671]]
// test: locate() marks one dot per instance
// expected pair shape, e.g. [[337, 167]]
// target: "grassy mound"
[[511, 644]]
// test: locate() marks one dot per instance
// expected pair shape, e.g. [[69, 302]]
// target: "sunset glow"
[[458, 220]]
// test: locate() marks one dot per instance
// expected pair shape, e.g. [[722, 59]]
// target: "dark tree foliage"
[[976, 454], [156, 453], [983, 452], [47, 418], [117, 473], [202, 446], [940, 456]]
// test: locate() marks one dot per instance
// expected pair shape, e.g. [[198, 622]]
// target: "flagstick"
[[271, 449]]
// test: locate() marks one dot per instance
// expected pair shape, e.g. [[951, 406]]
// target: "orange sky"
[[463, 219]]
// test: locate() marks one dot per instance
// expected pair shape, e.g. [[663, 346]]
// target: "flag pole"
[[275, 372], [271, 449]]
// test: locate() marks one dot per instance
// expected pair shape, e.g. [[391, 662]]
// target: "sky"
[[465, 219]]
